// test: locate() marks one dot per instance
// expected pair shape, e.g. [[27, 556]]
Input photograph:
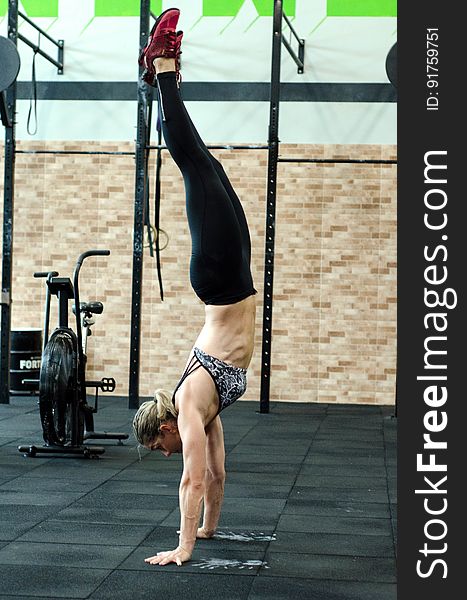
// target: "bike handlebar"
[[92, 253], [79, 262], [46, 274]]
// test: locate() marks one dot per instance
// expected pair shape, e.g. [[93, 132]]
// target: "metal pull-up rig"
[[143, 147], [8, 112]]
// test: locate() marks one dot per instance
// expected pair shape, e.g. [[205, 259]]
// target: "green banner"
[[34, 8], [362, 8], [123, 8], [214, 8], [231, 8]]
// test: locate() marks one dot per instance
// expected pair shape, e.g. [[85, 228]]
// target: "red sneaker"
[[162, 41]]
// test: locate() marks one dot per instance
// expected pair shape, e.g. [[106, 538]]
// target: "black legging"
[[221, 248]]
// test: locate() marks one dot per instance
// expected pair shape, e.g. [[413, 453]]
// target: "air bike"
[[67, 418]]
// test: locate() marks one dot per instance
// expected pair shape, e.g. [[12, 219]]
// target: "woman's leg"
[[235, 200], [219, 267]]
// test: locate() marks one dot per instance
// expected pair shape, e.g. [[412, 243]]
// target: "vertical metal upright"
[[142, 142], [8, 206], [273, 155]]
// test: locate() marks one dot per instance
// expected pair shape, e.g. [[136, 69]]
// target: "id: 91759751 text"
[[432, 60]]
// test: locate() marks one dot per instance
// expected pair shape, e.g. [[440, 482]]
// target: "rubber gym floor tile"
[[163, 536], [353, 425], [252, 467], [280, 409], [67, 555], [204, 560], [42, 499], [233, 521], [145, 475], [335, 508], [349, 544], [63, 532], [237, 520], [155, 488], [24, 483], [275, 435], [357, 443], [336, 450], [3, 597], [236, 490], [158, 464], [137, 585], [342, 494], [335, 568], [128, 495], [50, 582], [341, 481], [242, 540], [15, 470], [343, 470], [238, 540], [325, 433], [343, 525], [263, 478], [137, 516], [9, 530], [55, 470], [348, 461], [259, 458], [293, 448], [278, 588], [25, 512], [99, 499], [258, 508]]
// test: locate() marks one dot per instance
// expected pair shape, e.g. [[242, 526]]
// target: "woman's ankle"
[[164, 65]]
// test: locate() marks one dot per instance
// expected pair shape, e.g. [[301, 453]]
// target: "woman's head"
[[155, 424]]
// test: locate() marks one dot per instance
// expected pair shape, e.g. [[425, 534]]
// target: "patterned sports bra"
[[230, 381]]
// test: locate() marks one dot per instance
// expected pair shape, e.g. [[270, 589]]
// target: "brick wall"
[[334, 336]]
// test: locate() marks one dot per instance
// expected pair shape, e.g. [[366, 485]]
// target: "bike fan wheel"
[[57, 388]]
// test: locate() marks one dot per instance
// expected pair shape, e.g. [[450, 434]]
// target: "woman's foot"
[[163, 65], [162, 42]]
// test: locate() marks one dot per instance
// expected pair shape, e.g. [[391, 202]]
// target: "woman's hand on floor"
[[178, 556]]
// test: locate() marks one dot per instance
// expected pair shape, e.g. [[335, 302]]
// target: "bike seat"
[[61, 285], [95, 308]]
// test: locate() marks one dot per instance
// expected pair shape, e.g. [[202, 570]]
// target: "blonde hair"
[[150, 415]]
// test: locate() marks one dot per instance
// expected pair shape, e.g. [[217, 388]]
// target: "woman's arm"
[[192, 484], [215, 478]]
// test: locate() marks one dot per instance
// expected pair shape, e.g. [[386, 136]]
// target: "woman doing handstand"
[[188, 420]]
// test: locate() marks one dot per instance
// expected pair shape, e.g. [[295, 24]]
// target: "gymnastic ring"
[[163, 237]]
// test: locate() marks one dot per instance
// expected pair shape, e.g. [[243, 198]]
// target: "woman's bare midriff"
[[228, 332]]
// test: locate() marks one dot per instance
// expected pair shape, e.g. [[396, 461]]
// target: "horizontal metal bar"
[[206, 91], [298, 62], [223, 147], [59, 44], [220, 147], [85, 152], [39, 51], [291, 28], [338, 160]]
